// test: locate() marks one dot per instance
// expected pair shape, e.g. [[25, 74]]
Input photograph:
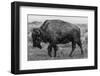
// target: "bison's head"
[[36, 38]]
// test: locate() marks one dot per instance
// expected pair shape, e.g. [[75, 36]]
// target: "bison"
[[56, 32]]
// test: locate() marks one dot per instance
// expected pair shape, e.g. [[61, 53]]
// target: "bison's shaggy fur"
[[57, 32]]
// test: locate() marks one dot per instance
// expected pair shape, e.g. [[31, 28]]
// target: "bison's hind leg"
[[80, 45], [73, 48]]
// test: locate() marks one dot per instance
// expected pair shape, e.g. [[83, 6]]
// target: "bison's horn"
[[37, 31]]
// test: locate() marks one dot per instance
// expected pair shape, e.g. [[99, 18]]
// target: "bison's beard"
[[37, 45]]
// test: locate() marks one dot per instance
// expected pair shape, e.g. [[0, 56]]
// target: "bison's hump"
[[58, 28], [58, 25]]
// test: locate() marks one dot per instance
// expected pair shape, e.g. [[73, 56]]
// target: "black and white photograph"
[[57, 37], [53, 37]]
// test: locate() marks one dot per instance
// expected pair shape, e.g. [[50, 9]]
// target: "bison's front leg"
[[55, 50], [50, 47], [49, 50]]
